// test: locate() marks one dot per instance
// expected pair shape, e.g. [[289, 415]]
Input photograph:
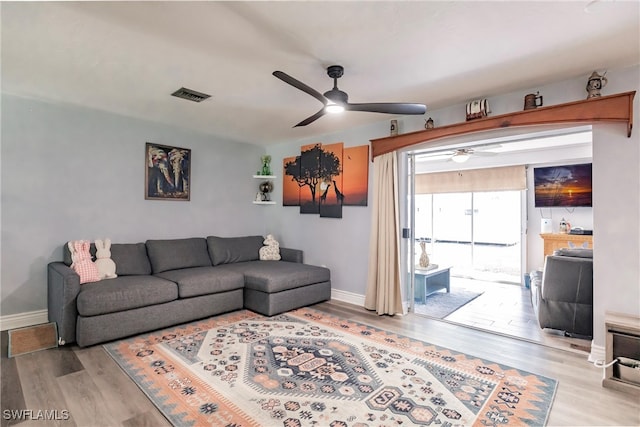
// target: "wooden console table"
[[554, 241]]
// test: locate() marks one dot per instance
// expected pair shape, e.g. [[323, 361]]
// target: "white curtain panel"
[[383, 285]]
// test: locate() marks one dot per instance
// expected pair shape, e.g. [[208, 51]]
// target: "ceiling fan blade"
[[299, 85], [484, 153], [311, 119], [388, 107], [434, 157]]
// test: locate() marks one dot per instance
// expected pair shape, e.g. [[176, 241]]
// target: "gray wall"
[[340, 244], [70, 173]]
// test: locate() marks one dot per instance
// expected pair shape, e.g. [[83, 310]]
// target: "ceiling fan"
[[460, 155], [336, 101]]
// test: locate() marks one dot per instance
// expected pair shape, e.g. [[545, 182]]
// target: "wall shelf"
[[268, 178], [612, 108]]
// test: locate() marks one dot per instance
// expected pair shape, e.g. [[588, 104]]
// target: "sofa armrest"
[[291, 255], [63, 287]]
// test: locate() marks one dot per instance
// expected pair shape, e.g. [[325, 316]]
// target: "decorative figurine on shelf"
[[259, 197], [266, 168], [564, 226], [428, 124], [531, 101], [477, 109], [393, 130], [595, 83], [265, 188]]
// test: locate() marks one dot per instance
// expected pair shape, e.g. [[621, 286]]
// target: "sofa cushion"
[[124, 293], [130, 259], [276, 276], [175, 254], [574, 252], [203, 280], [227, 250]]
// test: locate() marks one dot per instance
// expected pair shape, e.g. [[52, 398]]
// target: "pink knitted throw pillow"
[[82, 263]]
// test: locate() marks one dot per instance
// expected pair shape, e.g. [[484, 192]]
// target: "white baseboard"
[[21, 320], [348, 297], [598, 352]]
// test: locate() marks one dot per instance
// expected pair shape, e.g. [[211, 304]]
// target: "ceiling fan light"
[[460, 157], [334, 108]]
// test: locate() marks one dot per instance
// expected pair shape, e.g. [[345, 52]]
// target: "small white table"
[[432, 280]]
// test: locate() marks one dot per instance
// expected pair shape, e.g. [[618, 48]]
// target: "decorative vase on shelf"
[[424, 258], [266, 168]]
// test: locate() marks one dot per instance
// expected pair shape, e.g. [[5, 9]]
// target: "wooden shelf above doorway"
[[611, 108]]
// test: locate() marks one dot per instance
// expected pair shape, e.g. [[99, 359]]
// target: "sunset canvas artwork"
[[290, 188], [563, 186], [355, 175], [326, 177]]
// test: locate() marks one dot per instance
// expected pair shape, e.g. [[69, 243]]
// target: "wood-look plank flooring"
[[96, 392], [506, 309]]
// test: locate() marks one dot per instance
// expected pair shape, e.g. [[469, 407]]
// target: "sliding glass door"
[[475, 233], [463, 235]]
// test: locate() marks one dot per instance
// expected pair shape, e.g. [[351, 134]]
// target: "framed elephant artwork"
[[167, 172]]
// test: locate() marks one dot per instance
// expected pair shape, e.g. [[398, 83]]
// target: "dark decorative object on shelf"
[[477, 109], [428, 124], [394, 127], [595, 83], [265, 188], [531, 101]]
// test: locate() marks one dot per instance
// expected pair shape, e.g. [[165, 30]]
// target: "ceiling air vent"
[[190, 95]]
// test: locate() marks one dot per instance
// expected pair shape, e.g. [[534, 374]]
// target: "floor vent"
[[190, 95], [32, 338]]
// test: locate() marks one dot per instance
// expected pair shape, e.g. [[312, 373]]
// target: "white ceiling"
[[128, 57]]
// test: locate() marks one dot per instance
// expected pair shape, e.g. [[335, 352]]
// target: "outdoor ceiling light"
[[460, 157]]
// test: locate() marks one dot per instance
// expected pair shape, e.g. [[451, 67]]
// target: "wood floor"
[[91, 387], [506, 309]]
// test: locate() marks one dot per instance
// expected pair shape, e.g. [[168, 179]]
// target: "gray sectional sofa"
[[162, 283]]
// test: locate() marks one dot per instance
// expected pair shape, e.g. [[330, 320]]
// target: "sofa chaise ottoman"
[[162, 283]]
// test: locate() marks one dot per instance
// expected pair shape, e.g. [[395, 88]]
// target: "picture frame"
[[564, 186], [167, 172]]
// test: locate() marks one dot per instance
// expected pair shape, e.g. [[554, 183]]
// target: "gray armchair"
[[562, 294]]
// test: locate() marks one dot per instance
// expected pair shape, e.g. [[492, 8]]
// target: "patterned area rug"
[[308, 368]]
